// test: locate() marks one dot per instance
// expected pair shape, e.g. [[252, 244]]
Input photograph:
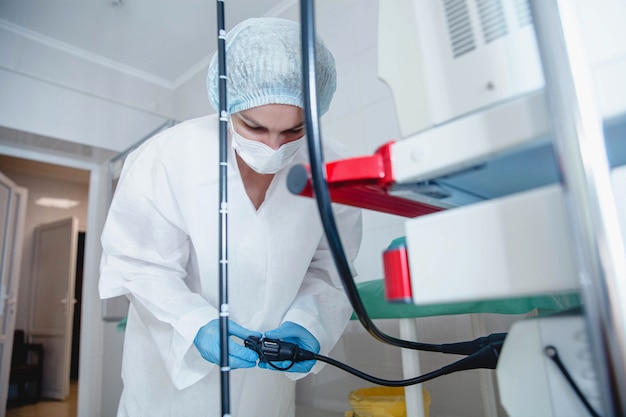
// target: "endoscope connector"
[[273, 350]]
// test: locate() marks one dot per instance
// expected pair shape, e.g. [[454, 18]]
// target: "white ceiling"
[[160, 39]]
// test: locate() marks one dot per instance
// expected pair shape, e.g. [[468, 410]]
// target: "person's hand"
[[207, 341], [293, 333]]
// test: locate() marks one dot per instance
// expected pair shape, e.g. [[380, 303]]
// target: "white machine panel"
[[513, 246], [531, 384], [467, 81], [468, 53]]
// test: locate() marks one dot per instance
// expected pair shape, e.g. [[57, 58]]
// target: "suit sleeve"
[[145, 254]]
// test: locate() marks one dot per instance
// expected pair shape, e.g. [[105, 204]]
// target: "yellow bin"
[[381, 402]]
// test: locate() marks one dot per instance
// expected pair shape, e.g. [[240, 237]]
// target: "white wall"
[[58, 92], [190, 99]]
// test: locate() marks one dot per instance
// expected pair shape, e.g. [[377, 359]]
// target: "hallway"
[[49, 408]]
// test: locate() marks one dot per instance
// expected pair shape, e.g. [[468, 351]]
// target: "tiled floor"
[[65, 408]]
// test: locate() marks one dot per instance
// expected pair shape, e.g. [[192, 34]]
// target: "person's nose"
[[274, 140]]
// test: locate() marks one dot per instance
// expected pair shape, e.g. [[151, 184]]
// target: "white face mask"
[[261, 157]]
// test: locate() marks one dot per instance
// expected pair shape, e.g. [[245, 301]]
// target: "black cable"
[[378, 381], [271, 350], [223, 212], [278, 368], [322, 195], [553, 354], [487, 358]]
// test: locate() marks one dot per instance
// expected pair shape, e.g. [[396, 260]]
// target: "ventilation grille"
[[522, 11], [492, 19], [459, 27]]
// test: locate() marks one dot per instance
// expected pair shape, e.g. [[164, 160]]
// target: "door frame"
[[19, 199], [92, 326]]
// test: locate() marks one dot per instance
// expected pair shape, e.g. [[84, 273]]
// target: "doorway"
[[49, 180], [68, 407]]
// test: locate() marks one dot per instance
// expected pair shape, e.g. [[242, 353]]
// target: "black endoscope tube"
[[223, 212], [320, 187]]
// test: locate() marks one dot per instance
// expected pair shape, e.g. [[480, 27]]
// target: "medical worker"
[[160, 241]]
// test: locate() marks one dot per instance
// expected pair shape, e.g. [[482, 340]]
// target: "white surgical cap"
[[263, 66]]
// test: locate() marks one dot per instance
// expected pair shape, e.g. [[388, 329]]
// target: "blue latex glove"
[[207, 341], [293, 333]]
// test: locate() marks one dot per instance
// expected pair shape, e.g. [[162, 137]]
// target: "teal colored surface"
[[373, 296], [397, 243], [121, 326]]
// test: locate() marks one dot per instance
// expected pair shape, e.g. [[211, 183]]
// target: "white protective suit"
[[161, 248]]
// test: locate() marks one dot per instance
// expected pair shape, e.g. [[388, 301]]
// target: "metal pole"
[[580, 148], [223, 212]]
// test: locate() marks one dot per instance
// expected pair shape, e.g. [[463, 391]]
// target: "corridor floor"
[[49, 408]]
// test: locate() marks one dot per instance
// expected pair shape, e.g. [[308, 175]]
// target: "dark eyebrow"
[[250, 121]]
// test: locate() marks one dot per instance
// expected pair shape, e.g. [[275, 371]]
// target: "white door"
[[12, 214], [52, 302]]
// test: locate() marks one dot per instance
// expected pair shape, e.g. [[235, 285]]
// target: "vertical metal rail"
[[223, 213], [580, 148]]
